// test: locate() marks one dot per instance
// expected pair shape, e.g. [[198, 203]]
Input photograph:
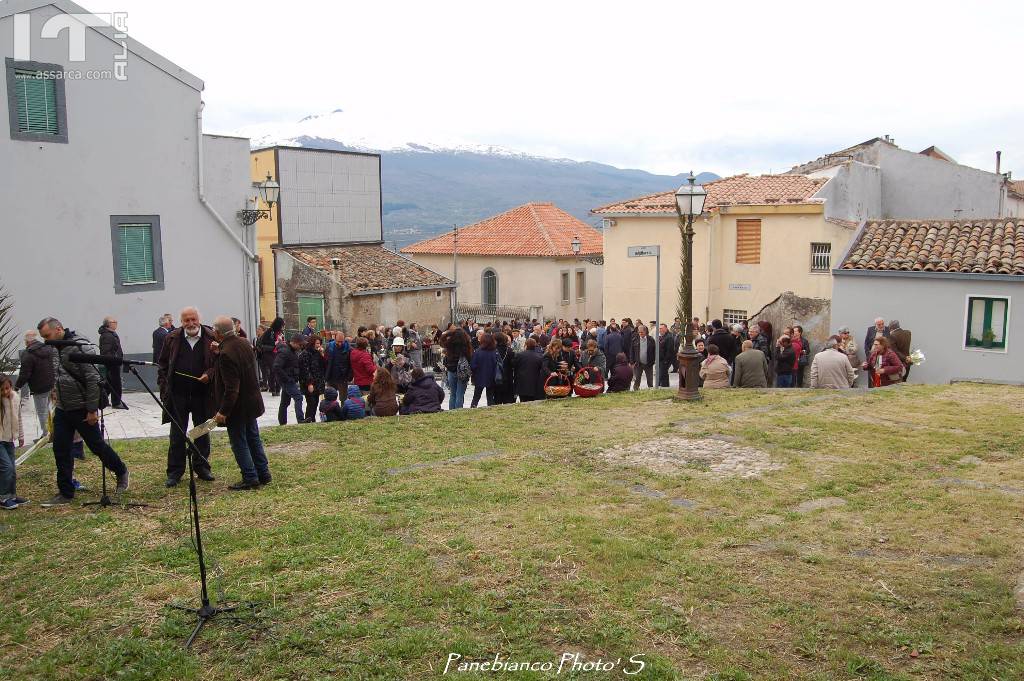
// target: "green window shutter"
[[311, 306], [137, 254], [37, 103]]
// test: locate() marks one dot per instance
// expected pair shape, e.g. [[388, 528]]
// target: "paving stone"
[[971, 460], [977, 484], [812, 505], [705, 456]]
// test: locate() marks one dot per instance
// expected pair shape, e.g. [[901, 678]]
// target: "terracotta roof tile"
[[1016, 187], [533, 229], [366, 268], [971, 247], [755, 190]]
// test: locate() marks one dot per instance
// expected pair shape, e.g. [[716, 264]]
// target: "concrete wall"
[[131, 151], [329, 196], [526, 282], [934, 309], [719, 282], [347, 312], [854, 191], [917, 186], [261, 163]]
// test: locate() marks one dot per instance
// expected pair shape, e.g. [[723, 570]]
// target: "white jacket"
[[831, 369], [10, 424]]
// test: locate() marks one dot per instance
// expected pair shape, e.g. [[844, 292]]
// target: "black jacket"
[[634, 350], [785, 358], [528, 381], [158, 341], [613, 344], [36, 369], [423, 397], [726, 343], [286, 364], [339, 367], [312, 369], [110, 343], [667, 348]]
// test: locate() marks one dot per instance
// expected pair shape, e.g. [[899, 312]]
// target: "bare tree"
[[8, 334]]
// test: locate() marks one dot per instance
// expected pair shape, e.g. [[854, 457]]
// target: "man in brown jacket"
[[184, 373], [900, 340], [236, 394]]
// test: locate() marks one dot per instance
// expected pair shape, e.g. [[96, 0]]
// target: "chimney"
[[999, 158]]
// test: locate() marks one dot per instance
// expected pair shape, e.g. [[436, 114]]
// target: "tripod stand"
[[104, 500], [206, 611]]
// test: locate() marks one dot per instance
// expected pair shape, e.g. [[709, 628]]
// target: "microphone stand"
[[206, 611]]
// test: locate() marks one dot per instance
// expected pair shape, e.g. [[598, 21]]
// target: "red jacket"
[[891, 368], [363, 367]]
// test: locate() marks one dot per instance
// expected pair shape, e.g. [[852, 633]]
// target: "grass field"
[[755, 535]]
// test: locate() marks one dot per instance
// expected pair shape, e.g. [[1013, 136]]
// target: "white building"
[[956, 286], [115, 203]]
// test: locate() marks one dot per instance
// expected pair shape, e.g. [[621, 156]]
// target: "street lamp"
[[689, 204], [270, 192]]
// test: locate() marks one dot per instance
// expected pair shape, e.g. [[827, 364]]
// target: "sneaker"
[[265, 480], [21, 501], [121, 406], [122, 484], [244, 485], [59, 500], [8, 505], [172, 481], [79, 487]]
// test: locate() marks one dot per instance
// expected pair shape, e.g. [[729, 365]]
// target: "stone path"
[[673, 453]]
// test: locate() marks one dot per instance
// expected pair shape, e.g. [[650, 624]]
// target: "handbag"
[[499, 370], [463, 372]]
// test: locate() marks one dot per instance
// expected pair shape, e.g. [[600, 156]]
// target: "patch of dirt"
[[675, 454], [294, 448], [812, 505]]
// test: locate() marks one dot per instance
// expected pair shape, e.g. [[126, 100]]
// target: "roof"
[[292, 147], [540, 230], [935, 152], [1016, 187], [752, 190], [12, 7], [993, 246], [368, 268]]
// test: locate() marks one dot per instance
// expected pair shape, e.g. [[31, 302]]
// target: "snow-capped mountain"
[[430, 186]]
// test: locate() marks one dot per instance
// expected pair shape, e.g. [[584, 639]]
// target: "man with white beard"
[[186, 368]]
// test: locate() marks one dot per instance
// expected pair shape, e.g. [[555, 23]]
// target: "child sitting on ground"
[[352, 408]]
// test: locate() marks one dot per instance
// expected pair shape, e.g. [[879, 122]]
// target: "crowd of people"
[[217, 372]]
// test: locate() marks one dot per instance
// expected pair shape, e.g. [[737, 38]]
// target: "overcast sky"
[[663, 86]]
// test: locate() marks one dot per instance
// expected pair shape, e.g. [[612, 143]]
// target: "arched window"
[[489, 285]]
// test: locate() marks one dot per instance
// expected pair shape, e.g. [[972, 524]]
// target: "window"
[[730, 317], [581, 285], [489, 287], [748, 242], [136, 248], [565, 288], [821, 257], [35, 102], [987, 322], [311, 305]]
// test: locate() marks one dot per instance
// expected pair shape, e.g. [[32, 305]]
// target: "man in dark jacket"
[[286, 369], [527, 369], [165, 326], [37, 373], [612, 342], [666, 354], [236, 394], [77, 388], [339, 367], [725, 341], [899, 338], [184, 373], [641, 356], [110, 346], [424, 395], [877, 329]]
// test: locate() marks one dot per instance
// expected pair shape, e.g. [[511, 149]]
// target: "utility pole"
[[455, 274]]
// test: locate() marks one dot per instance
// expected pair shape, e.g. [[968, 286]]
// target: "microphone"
[[84, 358], [67, 343]]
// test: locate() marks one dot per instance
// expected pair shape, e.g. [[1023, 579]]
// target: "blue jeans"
[[7, 471], [457, 391], [290, 392], [784, 381], [247, 447]]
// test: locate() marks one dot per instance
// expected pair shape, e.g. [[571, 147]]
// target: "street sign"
[[643, 251]]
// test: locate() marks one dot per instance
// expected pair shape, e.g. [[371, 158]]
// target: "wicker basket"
[[563, 390], [585, 386]]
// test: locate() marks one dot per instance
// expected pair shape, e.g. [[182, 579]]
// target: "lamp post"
[[689, 203], [270, 192]]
